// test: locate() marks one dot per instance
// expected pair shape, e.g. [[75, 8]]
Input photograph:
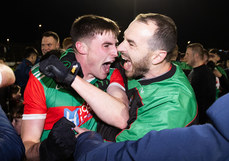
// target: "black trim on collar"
[[167, 75]]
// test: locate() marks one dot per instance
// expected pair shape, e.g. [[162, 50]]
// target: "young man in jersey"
[[46, 101]]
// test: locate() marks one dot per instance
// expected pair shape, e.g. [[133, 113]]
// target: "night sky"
[[203, 21]]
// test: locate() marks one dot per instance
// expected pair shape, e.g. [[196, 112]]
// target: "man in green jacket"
[[161, 96]]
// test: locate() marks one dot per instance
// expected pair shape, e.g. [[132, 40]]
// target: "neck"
[[157, 70], [197, 64]]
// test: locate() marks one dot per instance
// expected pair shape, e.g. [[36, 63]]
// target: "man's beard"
[[140, 68]]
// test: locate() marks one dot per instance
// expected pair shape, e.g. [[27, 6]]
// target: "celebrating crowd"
[[92, 99]]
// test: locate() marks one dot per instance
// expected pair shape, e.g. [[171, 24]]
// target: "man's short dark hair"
[[197, 48], [29, 51], [89, 25], [51, 34], [165, 37]]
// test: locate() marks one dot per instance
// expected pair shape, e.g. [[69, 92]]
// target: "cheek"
[[94, 60]]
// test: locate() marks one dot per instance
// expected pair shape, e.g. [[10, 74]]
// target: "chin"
[[129, 74], [102, 76]]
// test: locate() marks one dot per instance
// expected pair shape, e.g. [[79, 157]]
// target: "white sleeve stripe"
[[117, 84], [33, 116]]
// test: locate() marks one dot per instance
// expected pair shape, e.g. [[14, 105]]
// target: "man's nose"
[[114, 52], [120, 47]]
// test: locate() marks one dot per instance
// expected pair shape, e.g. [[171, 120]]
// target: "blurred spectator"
[[16, 111], [177, 59], [15, 93], [49, 41], [22, 70], [67, 43], [2, 60], [227, 68], [215, 63], [201, 78], [215, 56], [11, 146]]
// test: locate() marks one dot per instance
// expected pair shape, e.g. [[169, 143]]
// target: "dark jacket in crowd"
[[11, 146], [22, 74], [203, 82], [207, 142]]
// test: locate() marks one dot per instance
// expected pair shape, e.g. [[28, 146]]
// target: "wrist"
[[74, 82], [33, 152]]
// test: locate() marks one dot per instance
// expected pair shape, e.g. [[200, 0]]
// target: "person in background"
[[15, 96], [11, 146], [215, 63], [16, 111], [214, 55], [201, 78], [176, 59], [227, 68], [2, 60], [23, 69], [15, 93], [67, 43], [49, 41]]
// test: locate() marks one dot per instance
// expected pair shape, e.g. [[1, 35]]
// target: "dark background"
[[203, 21]]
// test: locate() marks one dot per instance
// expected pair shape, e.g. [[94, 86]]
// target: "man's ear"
[[58, 45], [158, 56], [81, 47]]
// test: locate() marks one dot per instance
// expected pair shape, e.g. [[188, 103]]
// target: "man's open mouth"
[[106, 66], [126, 63]]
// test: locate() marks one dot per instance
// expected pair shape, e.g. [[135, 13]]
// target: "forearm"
[[32, 151], [31, 131], [111, 109]]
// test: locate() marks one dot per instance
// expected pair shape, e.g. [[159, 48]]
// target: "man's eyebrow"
[[130, 41], [107, 43]]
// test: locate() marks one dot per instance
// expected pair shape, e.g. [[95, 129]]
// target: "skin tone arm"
[[7, 76], [31, 131], [111, 107]]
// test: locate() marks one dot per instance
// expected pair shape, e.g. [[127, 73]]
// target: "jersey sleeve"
[[34, 100], [117, 79]]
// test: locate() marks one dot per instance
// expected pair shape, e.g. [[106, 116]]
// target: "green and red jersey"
[[45, 99], [164, 102]]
